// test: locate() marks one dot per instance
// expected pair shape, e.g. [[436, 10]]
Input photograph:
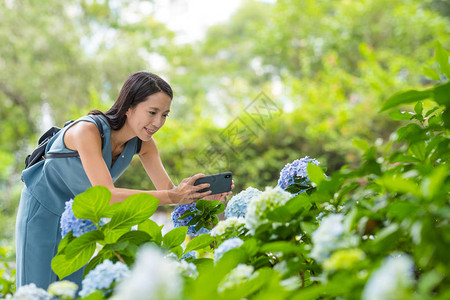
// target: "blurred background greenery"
[[277, 81]]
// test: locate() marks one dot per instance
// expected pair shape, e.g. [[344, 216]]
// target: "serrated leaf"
[[91, 204], [199, 242], [64, 266], [153, 229], [175, 237], [136, 237], [82, 242], [134, 210]]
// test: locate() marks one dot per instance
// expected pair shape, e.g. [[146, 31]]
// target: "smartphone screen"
[[220, 183]]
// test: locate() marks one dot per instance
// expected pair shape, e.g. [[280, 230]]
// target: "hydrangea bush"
[[237, 205], [379, 231]]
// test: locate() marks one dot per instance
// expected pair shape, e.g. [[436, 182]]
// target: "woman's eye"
[[152, 112], [165, 116]]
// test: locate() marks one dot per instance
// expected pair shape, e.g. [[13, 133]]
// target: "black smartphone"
[[219, 183]]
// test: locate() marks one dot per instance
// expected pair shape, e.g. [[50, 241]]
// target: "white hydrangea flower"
[[153, 277], [237, 206], [227, 246], [391, 280], [236, 277], [186, 269], [326, 238], [31, 292], [231, 224], [64, 290], [258, 207]]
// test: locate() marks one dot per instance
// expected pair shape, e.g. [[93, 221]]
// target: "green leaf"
[[418, 108], [153, 229], [199, 242], [186, 214], [82, 242], [111, 236], [441, 56], [315, 173], [134, 210], [111, 209], [442, 94], [433, 183], [399, 115], [386, 239], [97, 295], [360, 144], [418, 150], [175, 237], [279, 214], [406, 97], [429, 281], [431, 73], [298, 203], [281, 246], [98, 259], [136, 237], [399, 185], [91, 204], [177, 250], [63, 265], [65, 241]]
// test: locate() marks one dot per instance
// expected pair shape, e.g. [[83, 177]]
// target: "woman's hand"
[[220, 197], [186, 191]]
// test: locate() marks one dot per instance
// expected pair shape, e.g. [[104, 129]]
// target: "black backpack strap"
[[139, 145], [75, 153]]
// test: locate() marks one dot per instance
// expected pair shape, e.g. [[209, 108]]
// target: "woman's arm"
[[84, 137]]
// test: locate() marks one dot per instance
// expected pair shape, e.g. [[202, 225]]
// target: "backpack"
[[39, 154]]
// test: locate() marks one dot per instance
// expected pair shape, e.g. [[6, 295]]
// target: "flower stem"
[[119, 257]]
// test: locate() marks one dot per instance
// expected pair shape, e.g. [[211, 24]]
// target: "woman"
[[138, 113]]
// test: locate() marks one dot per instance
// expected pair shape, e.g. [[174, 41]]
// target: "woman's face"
[[146, 118]]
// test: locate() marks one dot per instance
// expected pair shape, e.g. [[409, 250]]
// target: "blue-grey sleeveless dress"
[[48, 185]]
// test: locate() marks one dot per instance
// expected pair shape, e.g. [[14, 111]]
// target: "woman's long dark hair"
[[135, 90]]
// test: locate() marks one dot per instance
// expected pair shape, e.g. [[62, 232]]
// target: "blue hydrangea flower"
[[190, 254], [103, 276], [69, 222], [326, 237], [179, 211], [227, 246], [296, 169], [237, 206]]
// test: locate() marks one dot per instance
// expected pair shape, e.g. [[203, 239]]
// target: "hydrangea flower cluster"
[[326, 237], [237, 206], [227, 246], [153, 277], [32, 292], [267, 201], [236, 277], [391, 280], [179, 211], [230, 225], [186, 269], [69, 222], [296, 169], [64, 289], [103, 276], [190, 254]]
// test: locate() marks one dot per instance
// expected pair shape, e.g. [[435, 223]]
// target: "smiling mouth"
[[149, 132]]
